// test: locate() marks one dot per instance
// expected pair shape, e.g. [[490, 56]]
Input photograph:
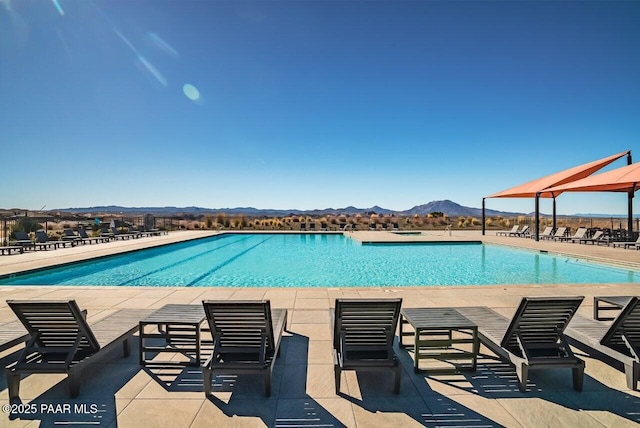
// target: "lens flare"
[[191, 92]]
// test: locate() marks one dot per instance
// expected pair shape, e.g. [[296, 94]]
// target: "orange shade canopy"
[[625, 179], [542, 185]]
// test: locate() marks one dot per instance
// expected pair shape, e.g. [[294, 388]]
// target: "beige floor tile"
[[312, 293], [308, 411], [310, 316], [312, 331], [313, 304], [392, 412], [167, 412], [551, 411], [236, 414]]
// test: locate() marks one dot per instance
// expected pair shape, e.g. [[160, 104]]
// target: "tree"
[[27, 224]]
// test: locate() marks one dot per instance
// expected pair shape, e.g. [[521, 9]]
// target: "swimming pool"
[[283, 260]]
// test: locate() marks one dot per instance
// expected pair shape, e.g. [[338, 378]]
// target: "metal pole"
[[483, 217], [630, 213], [537, 225], [554, 213]]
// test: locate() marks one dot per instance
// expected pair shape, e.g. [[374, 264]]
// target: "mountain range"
[[447, 207]]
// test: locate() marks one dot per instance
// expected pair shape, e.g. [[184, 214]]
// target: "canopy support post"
[[537, 225], [483, 217], [630, 213], [554, 213]]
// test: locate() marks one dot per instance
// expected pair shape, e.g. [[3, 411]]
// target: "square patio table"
[[611, 303], [180, 327], [434, 337]]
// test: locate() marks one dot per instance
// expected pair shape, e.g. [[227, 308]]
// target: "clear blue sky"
[[311, 104]]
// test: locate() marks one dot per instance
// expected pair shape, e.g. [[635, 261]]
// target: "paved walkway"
[[128, 396]]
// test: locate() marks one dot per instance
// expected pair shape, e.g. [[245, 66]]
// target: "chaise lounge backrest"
[[539, 321], [365, 326], [56, 325], [242, 327], [627, 323]]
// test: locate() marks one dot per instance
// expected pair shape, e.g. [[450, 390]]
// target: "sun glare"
[[191, 92]]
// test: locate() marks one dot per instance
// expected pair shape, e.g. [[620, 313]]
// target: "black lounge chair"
[[23, 240], [8, 249], [628, 244], [620, 340], [118, 235], [303, 227], [69, 236], [246, 339], [86, 238], [363, 335], [43, 241], [534, 338], [135, 231], [61, 341]]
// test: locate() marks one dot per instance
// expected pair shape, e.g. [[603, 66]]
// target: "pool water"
[[268, 260]]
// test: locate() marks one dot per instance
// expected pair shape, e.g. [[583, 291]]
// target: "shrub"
[[27, 224]]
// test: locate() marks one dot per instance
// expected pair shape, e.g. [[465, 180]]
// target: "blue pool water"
[[264, 260]]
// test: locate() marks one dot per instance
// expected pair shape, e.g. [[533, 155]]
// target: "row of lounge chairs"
[[247, 336], [42, 242], [581, 236]]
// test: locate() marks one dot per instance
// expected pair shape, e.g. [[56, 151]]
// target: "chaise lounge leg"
[[578, 376], [13, 383], [267, 383], [74, 383], [522, 371], [337, 374], [207, 376], [632, 373], [126, 347], [396, 380]]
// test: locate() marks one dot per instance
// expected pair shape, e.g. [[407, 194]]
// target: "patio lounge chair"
[[8, 249], [23, 240], [363, 334], [560, 233], [118, 235], [547, 233], [86, 238], [619, 340], [597, 238], [581, 233], [630, 244], [69, 236], [43, 241], [246, 339], [534, 338], [61, 341], [524, 232], [135, 231], [513, 230]]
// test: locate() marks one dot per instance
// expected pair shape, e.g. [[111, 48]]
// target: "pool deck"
[[303, 388]]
